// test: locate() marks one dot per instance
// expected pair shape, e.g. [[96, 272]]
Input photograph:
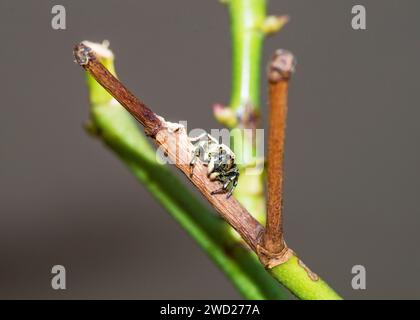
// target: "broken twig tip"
[[281, 66], [82, 54]]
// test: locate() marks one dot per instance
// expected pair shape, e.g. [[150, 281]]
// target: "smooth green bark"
[[246, 19], [295, 277]]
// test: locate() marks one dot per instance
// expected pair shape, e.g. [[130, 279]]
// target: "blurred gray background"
[[352, 157]]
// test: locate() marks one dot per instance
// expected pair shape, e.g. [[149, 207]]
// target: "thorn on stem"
[[273, 24], [225, 115]]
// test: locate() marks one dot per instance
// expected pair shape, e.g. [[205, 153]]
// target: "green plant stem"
[[297, 278], [246, 18], [247, 39], [116, 128]]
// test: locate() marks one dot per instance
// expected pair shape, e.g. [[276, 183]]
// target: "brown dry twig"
[[280, 69], [173, 140]]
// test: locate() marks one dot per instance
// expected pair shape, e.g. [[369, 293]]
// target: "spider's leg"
[[217, 191], [220, 153], [230, 192], [226, 182], [222, 189], [234, 180]]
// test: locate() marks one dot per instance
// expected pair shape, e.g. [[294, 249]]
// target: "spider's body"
[[220, 162]]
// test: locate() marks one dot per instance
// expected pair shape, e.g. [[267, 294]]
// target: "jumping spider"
[[220, 162]]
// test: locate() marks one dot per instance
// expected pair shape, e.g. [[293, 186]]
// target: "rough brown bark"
[[279, 72], [86, 58], [173, 140]]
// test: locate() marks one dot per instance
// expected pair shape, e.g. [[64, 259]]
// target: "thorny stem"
[[280, 70]]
